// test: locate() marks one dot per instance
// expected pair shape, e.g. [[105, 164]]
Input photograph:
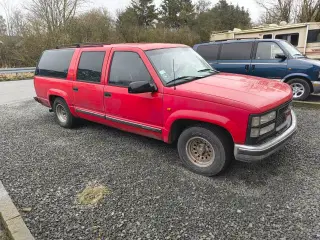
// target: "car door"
[[88, 83], [235, 57], [264, 62], [142, 112]]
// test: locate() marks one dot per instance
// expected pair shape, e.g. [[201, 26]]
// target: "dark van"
[[268, 58]]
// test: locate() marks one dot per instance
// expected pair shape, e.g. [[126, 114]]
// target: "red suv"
[[168, 92]]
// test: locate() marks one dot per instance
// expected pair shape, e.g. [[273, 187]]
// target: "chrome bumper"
[[316, 86], [246, 153]]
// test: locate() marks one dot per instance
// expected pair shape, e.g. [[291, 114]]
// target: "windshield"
[[181, 64], [291, 49]]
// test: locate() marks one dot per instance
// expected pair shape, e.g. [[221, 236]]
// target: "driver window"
[[268, 51], [127, 67]]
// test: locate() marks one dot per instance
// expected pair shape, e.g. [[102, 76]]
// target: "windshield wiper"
[[186, 78], [207, 70]]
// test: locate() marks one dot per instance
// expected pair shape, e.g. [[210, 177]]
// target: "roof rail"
[[81, 45]]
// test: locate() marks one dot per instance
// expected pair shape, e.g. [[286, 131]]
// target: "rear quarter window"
[[209, 52], [55, 63], [236, 51]]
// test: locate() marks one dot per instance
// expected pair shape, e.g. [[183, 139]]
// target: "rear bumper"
[[316, 86], [256, 153]]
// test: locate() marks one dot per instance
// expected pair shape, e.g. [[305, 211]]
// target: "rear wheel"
[[300, 87], [205, 150], [63, 114]]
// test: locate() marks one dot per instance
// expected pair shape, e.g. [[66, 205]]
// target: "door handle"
[[253, 68], [75, 89], [247, 68], [107, 94]]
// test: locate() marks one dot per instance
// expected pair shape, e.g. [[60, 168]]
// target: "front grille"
[[281, 114]]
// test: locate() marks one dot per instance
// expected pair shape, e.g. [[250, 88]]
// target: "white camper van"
[[304, 36]]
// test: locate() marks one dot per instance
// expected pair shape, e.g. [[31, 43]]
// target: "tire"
[[62, 113], [300, 87], [212, 163]]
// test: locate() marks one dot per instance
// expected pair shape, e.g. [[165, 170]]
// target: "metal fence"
[[17, 70]]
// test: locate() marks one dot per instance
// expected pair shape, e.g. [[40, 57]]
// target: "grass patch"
[[15, 77], [92, 194]]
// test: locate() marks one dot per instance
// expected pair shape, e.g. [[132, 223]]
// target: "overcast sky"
[[113, 5]]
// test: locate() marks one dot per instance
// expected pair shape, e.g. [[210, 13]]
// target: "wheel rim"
[[298, 89], [200, 151], [61, 113]]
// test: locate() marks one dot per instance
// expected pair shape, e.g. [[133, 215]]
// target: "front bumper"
[[246, 153], [316, 86]]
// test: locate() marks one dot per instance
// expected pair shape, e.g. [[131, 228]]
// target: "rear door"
[[264, 62], [235, 57], [88, 85]]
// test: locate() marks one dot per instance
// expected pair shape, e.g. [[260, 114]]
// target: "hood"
[[252, 93], [310, 61]]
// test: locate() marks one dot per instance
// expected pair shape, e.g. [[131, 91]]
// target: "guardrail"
[[17, 70]]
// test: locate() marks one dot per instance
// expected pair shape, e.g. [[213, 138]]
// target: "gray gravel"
[[152, 196]]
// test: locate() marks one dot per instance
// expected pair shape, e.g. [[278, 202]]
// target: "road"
[[16, 91]]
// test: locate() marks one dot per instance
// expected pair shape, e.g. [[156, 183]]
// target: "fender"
[[303, 75], [65, 96], [215, 119]]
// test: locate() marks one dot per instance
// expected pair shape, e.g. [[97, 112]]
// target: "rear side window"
[[55, 63], [236, 51], [209, 52], [291, 38], [314, 36], [90, 66]]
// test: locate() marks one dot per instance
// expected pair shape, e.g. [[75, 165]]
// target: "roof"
[[142, 46], [147, 46], [270, 27]]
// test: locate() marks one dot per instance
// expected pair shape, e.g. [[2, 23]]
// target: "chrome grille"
[[281, 114]]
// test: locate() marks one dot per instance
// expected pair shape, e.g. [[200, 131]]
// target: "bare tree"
[[309, 11], [278, 10], [7, 7], [55, 14]]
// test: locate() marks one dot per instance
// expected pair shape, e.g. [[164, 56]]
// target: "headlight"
[[257, 132], [257, 121]]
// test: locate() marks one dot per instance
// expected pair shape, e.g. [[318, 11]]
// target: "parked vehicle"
[[170, 93], [268, 58], [304, 36]]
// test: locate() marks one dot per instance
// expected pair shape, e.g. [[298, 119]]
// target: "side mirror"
[[141, 87], [281, 56]]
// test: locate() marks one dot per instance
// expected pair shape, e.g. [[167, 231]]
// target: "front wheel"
[[300, 88], [205, 150]]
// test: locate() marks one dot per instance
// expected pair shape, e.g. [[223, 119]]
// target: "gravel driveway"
[[151, 195]]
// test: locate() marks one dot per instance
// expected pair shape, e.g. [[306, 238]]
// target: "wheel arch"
[[300, 76], [179, 125]]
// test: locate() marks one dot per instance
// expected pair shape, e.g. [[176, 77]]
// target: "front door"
[[140, 113], [265, 64], [88, 85], [235, 57]]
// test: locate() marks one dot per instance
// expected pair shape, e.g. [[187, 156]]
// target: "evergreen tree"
[[145, 12], [177, 13]]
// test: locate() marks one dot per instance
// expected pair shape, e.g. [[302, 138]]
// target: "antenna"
[[174, 75]]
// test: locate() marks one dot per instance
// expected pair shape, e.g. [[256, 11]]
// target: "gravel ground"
[[151, 195]]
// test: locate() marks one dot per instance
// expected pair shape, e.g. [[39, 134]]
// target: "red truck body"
[[224, 100]]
